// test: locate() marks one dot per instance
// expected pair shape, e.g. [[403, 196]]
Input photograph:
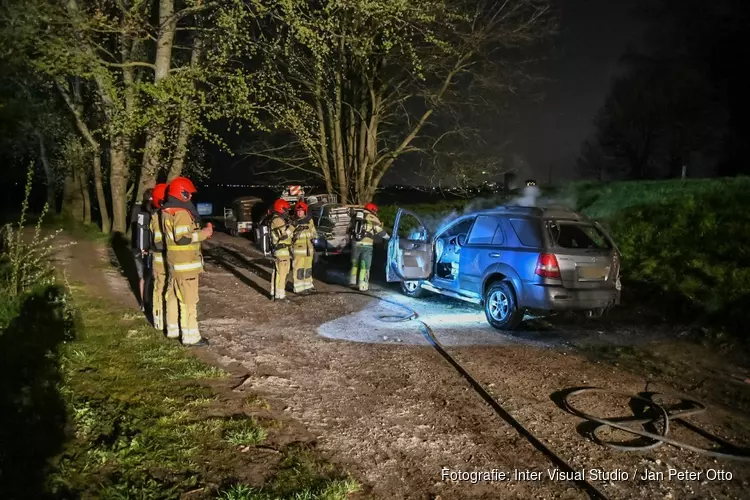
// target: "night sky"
[[545, 133], [593, 35]]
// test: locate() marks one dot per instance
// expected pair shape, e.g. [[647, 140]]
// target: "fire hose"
[[662, 415]]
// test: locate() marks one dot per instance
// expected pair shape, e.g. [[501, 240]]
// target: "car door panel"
[[409, 258], [479, 253]]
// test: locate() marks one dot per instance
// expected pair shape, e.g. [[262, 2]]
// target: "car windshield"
[[576, 235]]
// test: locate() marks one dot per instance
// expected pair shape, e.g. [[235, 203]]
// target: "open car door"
[[410, 251]]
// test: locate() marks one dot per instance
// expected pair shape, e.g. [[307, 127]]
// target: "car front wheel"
[[501, 308], [412, 288]]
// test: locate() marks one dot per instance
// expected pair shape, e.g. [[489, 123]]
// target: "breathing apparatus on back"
[[358, 226]]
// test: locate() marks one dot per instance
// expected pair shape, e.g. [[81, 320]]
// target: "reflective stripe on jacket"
[[182, 237], [304, 234], [157, 241], [281, 237]]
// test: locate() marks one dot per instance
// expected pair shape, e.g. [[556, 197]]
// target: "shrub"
[[24, 263], [693, 247]]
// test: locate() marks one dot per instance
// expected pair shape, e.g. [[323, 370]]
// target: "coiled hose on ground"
[[663, 416]]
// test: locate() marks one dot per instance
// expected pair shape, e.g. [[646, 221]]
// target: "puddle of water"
[[453, 323]]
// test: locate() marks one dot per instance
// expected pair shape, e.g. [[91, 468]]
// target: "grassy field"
[[95, 404], [685, 244]]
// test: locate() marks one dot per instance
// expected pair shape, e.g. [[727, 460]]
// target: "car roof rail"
[[519, 209], [560, 212]]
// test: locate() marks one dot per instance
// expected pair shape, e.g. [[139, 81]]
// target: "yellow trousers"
[[159, 277], [280, 273], [182, 321], [302, 268]]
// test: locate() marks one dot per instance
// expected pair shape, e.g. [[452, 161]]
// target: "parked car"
[[239, 218], [511, 260]]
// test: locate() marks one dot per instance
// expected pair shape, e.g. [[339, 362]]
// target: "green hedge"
[[689, 240]]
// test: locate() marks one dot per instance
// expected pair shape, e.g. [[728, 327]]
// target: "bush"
[[25, 264], [690, 243]]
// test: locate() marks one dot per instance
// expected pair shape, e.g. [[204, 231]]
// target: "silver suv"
[[512, 260]]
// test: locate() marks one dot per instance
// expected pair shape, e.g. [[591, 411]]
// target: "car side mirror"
[[461, 240]]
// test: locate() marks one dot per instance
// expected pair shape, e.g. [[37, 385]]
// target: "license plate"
[[592, 273]]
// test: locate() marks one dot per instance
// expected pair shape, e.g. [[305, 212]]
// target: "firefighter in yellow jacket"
[[158, 271], [365, 226], [303, 251], [183, 236], [281, 241]]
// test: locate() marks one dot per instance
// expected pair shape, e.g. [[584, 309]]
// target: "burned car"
[[512, 260]]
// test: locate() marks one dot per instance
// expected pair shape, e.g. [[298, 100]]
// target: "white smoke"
[[531, 197]]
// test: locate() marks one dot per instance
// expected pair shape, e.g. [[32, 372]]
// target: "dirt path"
[[389, 408]]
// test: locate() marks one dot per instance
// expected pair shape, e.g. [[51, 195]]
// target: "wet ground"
[[390, 408]]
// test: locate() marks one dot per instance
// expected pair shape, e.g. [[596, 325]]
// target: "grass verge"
[[119, 412]]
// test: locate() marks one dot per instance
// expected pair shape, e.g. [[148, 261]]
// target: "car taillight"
[[547, 267]]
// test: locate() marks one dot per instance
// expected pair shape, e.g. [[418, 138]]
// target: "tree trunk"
[[163, 65], [84, 185], [49, 173], [100, 198], [76, 107], [322, 137], [185, 129], [73, 205], [118, 181], [180, 152]]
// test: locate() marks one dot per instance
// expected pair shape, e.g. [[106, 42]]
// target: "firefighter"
[[363, 233], [303, 251], [158, 271], [281, 239], [140, 219], [183, 237]]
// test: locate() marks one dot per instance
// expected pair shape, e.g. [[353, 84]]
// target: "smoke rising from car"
[[531, 196]]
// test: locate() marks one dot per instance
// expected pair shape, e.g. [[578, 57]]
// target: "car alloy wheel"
[[499, 305]]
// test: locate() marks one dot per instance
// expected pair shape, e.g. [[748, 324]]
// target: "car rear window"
[[576, 235], [527, 231]]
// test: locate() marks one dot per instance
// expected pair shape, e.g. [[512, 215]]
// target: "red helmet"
[[301, 205], [181, 188], [158, 195], [372, 207], [281, 206]]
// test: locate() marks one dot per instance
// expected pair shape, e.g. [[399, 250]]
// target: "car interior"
[[448, 250]]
